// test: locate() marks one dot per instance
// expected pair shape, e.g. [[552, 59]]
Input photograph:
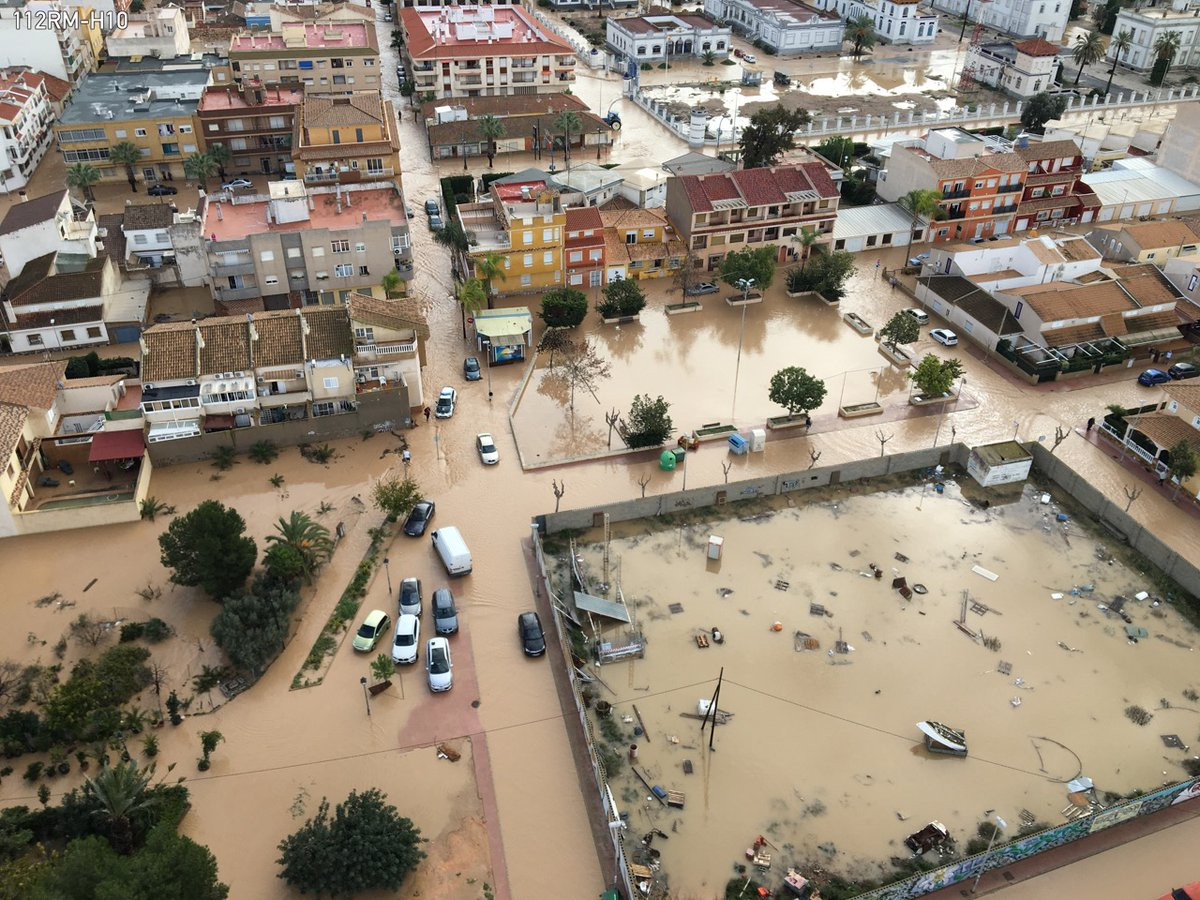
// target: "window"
[[337, 135], [185, 129], [631, 237], [343, 270], [35, 340], [375, 165], [139, 238], [576, 256], [94, 331], [67, 334], [237, 143], [358, 135], [526, 281], [293, 252], [271, 280], [576, 279], [527, 237], [139, 132], [360, 247], [1192, 281], [547, 234], [267, 255], [1150, 255], [595, 254], [329, 383], [86, 135], [296, 273], [363, 270], [1036, 192], [120, 132], [278, 122], [548, 258], [170, 149], [340, 246]]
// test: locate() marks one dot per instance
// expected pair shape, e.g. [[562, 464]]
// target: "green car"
[[371, 630]]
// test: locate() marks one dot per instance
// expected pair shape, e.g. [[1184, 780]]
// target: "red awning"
[[110, 445]]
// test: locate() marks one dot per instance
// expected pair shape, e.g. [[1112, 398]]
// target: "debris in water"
[[986, 573], [816, 609], [1172, 741], [781, 585], [1015, 701], [1069, 648], [445, 751], [675, 608], [1004, 667], [724, 592], [854, 553], [835, 566], [919, 588], [901, 557], [766, 559]]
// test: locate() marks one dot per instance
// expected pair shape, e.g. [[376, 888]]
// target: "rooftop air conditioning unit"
[[260, 379], [148, 387]]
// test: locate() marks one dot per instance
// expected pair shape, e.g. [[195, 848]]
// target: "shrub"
[[563, 307], [251, 627], [649, 423]]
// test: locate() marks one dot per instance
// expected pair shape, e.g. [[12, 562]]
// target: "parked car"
[[445, 616], [738, 53], [236, 184], [782, 78], [410, 597], [436, 223], [445, 403], [920, 315], [529, 629], [471, 370], [419, 518], [944, 336], [1151, 377], [431, 207], [702, 287], [488, 453], [1179, 371], [161, 190], [408, 210], [438, 665], [749, 57], [371, 630], [918, 260], [407, 640]]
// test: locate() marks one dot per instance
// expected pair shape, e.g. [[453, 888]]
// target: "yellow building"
[[640, 243], [155, 111], [525, 223], [346, 139]]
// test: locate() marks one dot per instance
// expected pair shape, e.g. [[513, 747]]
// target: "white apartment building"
[[63, 52], [1148, 24], [25, 119], [160, 32], [1021, 69], [896, 21], [42, 225], [651, 38], [785, 26], [1020, 18]]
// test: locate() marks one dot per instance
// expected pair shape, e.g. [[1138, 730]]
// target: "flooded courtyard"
[[821, 755]]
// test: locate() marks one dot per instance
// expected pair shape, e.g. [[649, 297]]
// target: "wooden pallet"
[[702, 641], [675, 799]]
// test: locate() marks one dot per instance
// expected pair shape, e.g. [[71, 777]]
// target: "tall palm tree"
[[470, 299], [861, 30], [120, 792], [201, 167], [567, 121], [709, 58], [308, 538], [490, 129], [1089, 48], [392, 283], [454, 236], [220, 154], [487, 267], [83, 176], [1165, 50], [921, 202], [805, 237], [1118, 45], [127, 154]]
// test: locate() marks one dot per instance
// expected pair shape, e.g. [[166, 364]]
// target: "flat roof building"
[[333, 58]]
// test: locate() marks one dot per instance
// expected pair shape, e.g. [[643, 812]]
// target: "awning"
[[506, 330], [506, 340], [218, 422], [110, 445], [1150, 337]]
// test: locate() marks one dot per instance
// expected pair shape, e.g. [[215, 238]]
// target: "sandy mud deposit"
[[821, 755]]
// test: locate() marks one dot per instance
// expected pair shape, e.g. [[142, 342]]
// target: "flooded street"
[[822, 755]]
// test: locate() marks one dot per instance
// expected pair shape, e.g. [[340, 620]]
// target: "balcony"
[[1063, 175], [1004, 210], [223, 270], [956, 214], [270, 400], [364, 384], [956, 195], [1008, 188], [373, 352]]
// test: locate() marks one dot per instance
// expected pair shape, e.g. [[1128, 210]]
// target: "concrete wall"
[[383, 411], [101, 513]]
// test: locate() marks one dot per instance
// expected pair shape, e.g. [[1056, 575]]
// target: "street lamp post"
[[388, 571], [1000, 826], [745, 284], [366, 694], [966, 14]]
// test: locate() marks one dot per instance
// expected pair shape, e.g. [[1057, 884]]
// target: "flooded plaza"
[[821, 754]]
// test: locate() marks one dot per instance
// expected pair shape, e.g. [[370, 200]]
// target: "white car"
[[944, 336], [407, 640], [750, 57], [237, 184], [487, 449], [445, 403], [438, 665], [919, 314]]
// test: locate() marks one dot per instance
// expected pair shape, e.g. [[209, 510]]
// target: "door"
[[595, 277], [979, 230], [266, 165]]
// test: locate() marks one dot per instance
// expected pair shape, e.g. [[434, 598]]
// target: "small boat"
[[941, 738]]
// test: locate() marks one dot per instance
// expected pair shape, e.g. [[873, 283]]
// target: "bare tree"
[[555, 340], [953, 433], [583, 367], [88, 631], [1060, 435], [559, 490], [158, 677], [813, 456], [612, 418], [725, 467], [642, 482], [1132, 494], [882, 438], [10, 677]]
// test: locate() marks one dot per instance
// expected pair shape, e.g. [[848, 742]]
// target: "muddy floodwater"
[[821, 755]]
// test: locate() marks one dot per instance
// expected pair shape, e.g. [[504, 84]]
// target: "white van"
[[453, 550]]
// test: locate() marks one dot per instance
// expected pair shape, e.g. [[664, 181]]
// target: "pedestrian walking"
[[427, 414], [877, 264], [406, 456], [1091, 423]]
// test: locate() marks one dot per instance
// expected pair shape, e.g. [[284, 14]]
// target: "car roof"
[[485, 434], [408, 622], [374, 617], [528, 618], [446, 392], [438, 643]]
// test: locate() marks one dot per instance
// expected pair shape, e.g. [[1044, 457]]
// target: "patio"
[[88, 481]]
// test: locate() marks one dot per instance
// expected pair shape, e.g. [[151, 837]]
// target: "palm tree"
[[487, 267], [201, 167], [1118, 45], [220, 154], [491, 128], [120, 791], [392, 283], [805, 237], [308, 538], [1089, 48], [921, 202], [127, 154], [567, 121], [709, 58], [1165, 49], [83, 176], [454, 236], [470, 299], [861, 30]]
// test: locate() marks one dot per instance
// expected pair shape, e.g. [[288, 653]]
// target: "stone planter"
[[678, 309], [776, 423], [896, 356], [828, 301], [922, 400], [736, 299], [855, 410], [857, 322], [794, 294], [714, 432], [621, 320]]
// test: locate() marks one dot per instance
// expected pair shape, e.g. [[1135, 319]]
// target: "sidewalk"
[[1134, 465]]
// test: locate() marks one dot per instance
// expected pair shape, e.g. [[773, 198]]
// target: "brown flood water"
[[822, 756]]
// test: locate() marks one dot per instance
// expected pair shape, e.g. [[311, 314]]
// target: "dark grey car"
[[529, 629], [445, 616]]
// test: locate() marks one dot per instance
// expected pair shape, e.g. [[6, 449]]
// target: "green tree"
[[1181, 461], [82, 176], [1089, 48], [1040, 109], [1105, 15], [491, 129], [621, 298], [758, 264], [366, 845], [805, 237], [825, 273], [396, 496], [649, 423], [488, 268], [453, 236], [568, 121], [208, 743], [1117, 46], [208, 548], [408, 89], [137, 6], [838, 150], [470, 297], [88, 705], [1166, 47], [563, 307], [770, 134], [200, 167], [127, 154], [935, 377], [382, 667], [921, 202], [220, 155], [253, 625], [709, 58], [310, 539], [284, 564], [796, 391], [120, 792], [900, 329], [391, 283], [860, 30]]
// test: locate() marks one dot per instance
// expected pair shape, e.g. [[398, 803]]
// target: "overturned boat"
[[941, 738]]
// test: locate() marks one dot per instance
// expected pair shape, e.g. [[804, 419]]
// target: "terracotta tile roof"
[[1184, 394], [149, 215], [1150, 235], [1039, 47], [421, 44], [400, 314], [1055, 302], [633, 218], [32, 211], [329, 332], [1113, 324], [240, 307], [169, 352], [615, 253], [757, 187], [656, 250], [618, 202], [1147, 284], [279, 339], [1047, 150], [580, 218], [12, 423], [354, 109], [1166, 430], [94, 381], [1152, 321], [1073, 334], [73, 315], [39, 283], [33, 385]]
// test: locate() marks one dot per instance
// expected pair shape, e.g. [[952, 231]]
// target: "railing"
[[956, 214], [956, 195], [371, 351], [1001, 210], [1008, 188]]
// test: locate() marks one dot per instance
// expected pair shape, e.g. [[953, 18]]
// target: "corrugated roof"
[[1118, 187], [861, 221]]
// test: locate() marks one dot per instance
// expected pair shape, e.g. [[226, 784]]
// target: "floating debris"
[[724, 592], [919, 588], [835, 566], [985, 573], [901, 557], [816, 609], [1004, 667], [781, 585], [1172, 741]]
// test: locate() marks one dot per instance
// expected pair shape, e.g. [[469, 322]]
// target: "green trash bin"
[[666, 461], [680, 453]]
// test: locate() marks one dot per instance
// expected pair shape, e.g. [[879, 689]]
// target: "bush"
[[563, 307], [649, 423], [88, 705], [621, 298], [251, 627], [208, 548], [489, 177]]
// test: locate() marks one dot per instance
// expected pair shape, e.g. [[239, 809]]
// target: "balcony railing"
[[1008, 188], [1004, 210], [955, 195], [956, 214], [374, 351]]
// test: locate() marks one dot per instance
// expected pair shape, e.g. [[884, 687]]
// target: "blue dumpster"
[[738, 444]]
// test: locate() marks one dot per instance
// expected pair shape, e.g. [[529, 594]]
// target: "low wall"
[[382, 411], [96, 514]]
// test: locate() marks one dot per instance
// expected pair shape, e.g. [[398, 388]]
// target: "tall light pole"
[[1000, 826], [745, 284], [366, 694], [388, 571]]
